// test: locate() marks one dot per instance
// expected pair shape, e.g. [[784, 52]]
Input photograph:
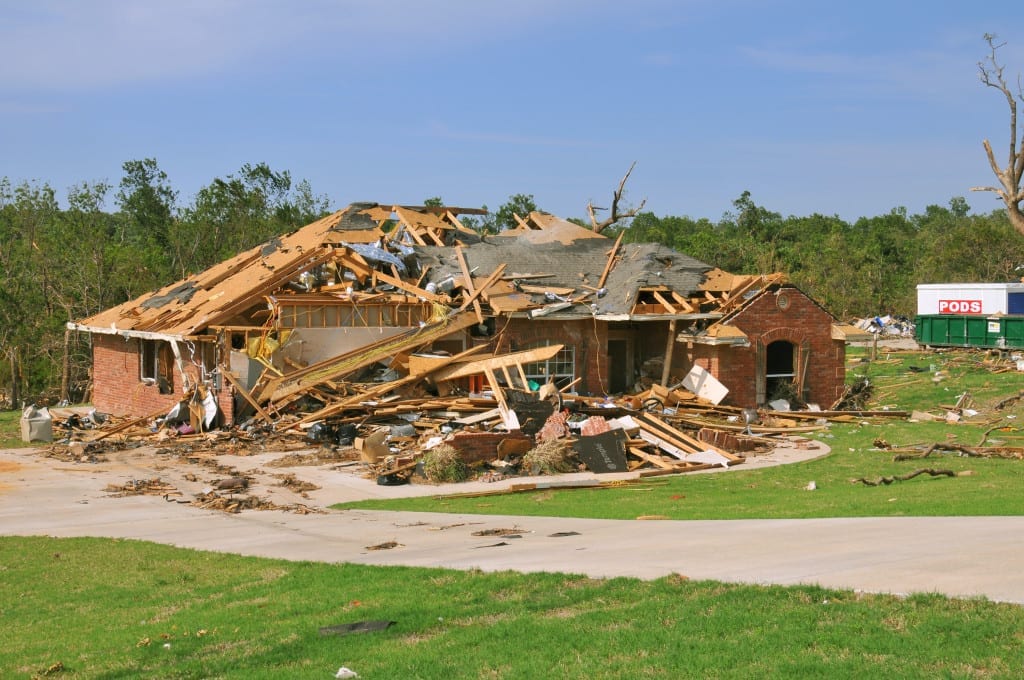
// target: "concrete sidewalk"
[[956, 556]]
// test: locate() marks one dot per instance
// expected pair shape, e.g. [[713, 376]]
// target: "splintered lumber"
[[495, 362], [280, 388], [408, 287], [1007, 452], [758, 429], [483, 288], [658, 461], [129, 424], [611, 260], [368, 395], [540, 290], [245, 395], [468, 279], [663, 430]]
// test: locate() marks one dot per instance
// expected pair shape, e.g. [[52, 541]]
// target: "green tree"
[[27, 212], [517, 204], [238, 212], [147, 202]]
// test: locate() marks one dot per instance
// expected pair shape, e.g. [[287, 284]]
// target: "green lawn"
[[91, 608], [10, 430]]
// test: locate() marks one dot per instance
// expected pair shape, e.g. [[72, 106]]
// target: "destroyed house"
[[359, 305]]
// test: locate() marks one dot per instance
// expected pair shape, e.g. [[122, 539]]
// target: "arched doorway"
[[780, 370]]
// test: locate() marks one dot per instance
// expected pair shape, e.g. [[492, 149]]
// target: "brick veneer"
[[118, 389], [588, 336], [803, 323]]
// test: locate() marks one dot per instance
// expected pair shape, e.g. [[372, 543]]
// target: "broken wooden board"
[[501, 361], [337, 367]]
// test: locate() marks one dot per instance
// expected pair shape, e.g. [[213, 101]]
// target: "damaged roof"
[[547, 265], [186, 307], [562, 255]]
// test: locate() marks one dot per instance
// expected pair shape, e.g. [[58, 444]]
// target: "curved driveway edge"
[[955, 556]]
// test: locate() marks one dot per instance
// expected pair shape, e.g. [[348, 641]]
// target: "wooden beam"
[[500, 361], [540, 290], [409, 288], [684, 441], [130, 423], [334, 368], [665, 303], [245, 395], [670, 344], [611, 260], [484, 286], [656, 460], [381, 389], [523, 223], [683, 302], [468, 282]]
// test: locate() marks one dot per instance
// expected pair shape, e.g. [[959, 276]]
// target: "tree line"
[[62, 263]]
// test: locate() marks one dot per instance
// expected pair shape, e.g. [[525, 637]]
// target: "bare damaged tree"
[[991, 74], [598, 227]]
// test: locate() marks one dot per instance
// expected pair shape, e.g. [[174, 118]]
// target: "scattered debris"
[[508, 533], [138, 487], [386, 545]]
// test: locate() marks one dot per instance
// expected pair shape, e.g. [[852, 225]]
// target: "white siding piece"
[[704, 385]]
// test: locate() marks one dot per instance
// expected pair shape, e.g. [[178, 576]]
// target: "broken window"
[[156, 364], [203, 355], [559, 369]]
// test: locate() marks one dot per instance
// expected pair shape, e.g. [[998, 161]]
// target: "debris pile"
[[389, 334], [887, 326]]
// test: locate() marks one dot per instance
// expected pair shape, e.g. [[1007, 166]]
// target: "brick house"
[[626, 315]]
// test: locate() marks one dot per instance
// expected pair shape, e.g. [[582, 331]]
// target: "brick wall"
[[475, 447], [590, 339], [802, 323], [119, 390]]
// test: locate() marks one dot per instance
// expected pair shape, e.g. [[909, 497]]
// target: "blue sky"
[[850, 109]]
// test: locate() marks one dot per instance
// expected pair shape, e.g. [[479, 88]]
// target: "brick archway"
[[770, 378]]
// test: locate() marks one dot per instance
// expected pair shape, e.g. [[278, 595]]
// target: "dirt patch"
[[9, 466]]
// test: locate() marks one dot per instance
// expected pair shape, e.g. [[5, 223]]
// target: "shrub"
[[549, 457], [444, 464]]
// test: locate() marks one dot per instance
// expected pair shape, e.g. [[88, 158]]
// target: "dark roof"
[[574, 264]]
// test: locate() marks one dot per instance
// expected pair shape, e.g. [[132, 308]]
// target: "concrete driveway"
[[956, 556]]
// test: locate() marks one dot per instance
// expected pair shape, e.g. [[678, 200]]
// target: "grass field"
[[90, 608], [10, 430]]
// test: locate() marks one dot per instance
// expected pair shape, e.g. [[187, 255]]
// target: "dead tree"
[[991, 74], [598, 227]]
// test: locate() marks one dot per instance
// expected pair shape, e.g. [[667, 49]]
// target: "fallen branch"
[[1009, 400], [1007, 452], [902, 478]]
